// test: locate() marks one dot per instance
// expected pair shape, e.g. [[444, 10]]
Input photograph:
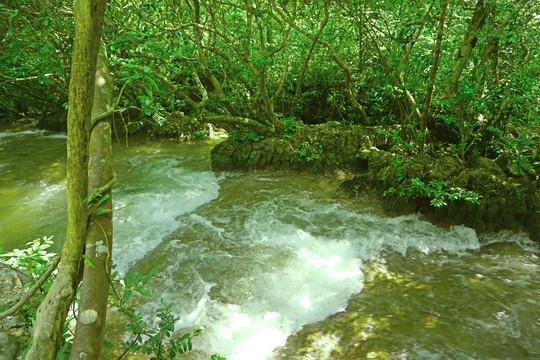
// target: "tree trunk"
[[450, 85], [51, 314], [306, 62], [401, 75], [469, 42], [93, 305], [434, 66]]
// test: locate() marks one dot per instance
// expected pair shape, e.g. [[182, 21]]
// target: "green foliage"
[[201, 134], [34, 56], [34, 261], [459, 149], [398, 164], [217, 357], [395, 135], [256, 70], [437, 190], [245, 135], [309, 152], [523, 155], [159, 341], [94, 202], [289, 127]]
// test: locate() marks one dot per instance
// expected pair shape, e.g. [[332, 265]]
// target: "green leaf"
[[144, 291], [88, 198], [88, 262], [103, 198], [138, 278], [150, 274], [101, 211], [13, 13], [128, 280], [127, 296], [107, 344]]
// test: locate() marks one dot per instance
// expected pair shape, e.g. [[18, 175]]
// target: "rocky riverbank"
[[481, 193], [13, 332]]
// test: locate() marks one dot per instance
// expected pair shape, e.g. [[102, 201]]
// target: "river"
[[280, 265]]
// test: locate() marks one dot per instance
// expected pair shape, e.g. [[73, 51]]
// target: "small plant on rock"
[[437, 190], [308, 152]]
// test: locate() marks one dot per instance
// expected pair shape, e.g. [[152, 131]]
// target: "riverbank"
[[481, 193]]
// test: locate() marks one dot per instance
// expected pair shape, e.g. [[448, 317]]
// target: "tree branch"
[[32, 290]]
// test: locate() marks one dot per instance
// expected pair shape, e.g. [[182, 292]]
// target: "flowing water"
[[281, 266]]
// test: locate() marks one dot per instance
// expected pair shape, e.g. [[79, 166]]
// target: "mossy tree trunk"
[[451, 83], [97, 269], [51, 314], [434, 67]]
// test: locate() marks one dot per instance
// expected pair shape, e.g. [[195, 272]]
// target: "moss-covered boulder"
[[318, 147], [478, 193]]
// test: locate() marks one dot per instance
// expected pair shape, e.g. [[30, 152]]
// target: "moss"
[[505, 202], [446, 167]]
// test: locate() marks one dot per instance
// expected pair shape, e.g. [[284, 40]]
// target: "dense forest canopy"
[[462, 72]]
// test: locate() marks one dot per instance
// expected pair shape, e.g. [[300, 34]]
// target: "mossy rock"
[[327, 146], [222, 156], [444, 168], [506, 202]]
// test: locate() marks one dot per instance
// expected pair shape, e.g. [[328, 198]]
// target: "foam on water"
[[55, 135], [510, 237], [156, 192], [257, 264], [43, 133], [4, 135]]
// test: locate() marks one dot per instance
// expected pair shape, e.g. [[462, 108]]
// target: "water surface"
[[281, 265]]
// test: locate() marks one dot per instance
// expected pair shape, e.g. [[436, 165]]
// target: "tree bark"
[[51, 314], [450, 85], [434, 66], [94, 292], [469, 42]]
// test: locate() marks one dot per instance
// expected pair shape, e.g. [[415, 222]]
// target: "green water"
[[483, 304], [281, 265], [32, 187]]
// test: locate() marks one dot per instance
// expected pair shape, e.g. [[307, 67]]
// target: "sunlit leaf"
[[144, 291]]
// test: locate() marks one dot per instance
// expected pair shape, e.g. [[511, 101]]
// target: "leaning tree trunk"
[[51, 314], [434, 67], [97, 269], [450, 85]]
